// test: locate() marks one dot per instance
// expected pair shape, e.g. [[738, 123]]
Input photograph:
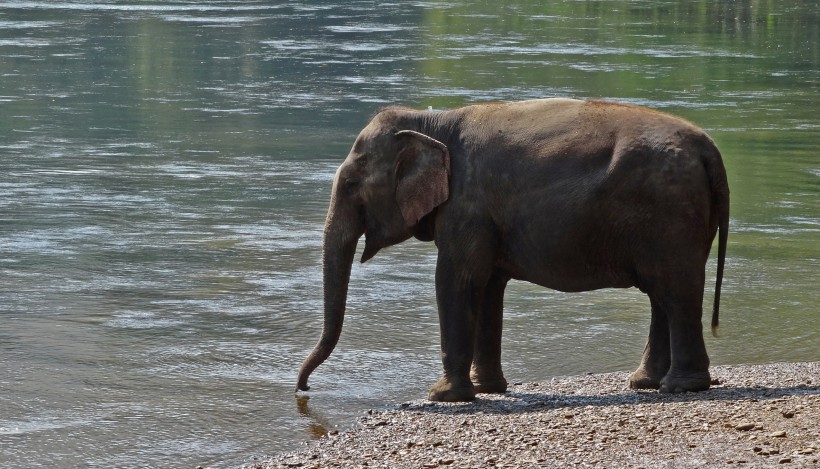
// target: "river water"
[[165, 169]]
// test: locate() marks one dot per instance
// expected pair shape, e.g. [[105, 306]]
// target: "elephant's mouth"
[[378, 235], [376, 238], [372, 245]]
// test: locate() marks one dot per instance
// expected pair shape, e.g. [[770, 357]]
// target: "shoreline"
[[757, 416]]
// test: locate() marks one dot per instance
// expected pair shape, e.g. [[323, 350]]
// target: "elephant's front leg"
[[461, 277], [486, 373]]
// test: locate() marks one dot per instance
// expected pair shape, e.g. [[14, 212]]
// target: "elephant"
[[572, 195]]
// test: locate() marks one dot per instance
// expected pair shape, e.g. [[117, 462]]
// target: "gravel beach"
[[755, 416]]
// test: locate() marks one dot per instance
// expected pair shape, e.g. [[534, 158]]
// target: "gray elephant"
[[568, 194]]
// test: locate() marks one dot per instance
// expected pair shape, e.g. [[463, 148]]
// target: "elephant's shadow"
[[521, 401]]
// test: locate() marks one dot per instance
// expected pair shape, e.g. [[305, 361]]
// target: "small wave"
[[24, 42], [38, 424], [368, 28], [796, 225], [132, 7], [27, 24], [141, 320], [222, 20]]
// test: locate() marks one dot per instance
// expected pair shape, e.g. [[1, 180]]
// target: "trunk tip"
[[301, 384]]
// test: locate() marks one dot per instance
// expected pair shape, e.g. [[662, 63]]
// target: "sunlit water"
[[165, 169]]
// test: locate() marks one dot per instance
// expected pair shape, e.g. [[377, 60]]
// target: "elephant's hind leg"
[[656, 355], [486, 373], [681, 302]]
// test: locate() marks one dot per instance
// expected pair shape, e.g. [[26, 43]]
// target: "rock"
[[744, 426], [778, 434]]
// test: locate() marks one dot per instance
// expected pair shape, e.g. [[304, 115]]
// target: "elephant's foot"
[[643, 379], [488, 383], [675, 382], [446, 390], [497, 386]]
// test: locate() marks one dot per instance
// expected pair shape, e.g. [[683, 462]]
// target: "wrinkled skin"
[[571, 195]]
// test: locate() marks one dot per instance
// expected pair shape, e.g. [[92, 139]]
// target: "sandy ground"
[[757, 416]]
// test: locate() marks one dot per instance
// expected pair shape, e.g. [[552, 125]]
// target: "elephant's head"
[[392, 178]]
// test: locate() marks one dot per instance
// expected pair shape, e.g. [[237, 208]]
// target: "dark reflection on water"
[[319, 426], [165, 171]]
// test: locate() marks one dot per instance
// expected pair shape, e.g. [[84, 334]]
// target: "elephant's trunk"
[[340, 238]]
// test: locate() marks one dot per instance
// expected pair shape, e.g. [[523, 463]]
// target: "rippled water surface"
[[165, 169]]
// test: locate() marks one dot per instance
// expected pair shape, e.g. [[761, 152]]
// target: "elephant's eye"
[[351, 184]]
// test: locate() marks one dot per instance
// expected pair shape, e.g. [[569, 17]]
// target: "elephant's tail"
[[720, 209]]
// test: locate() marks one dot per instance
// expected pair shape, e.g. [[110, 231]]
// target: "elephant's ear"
[[422, 175]]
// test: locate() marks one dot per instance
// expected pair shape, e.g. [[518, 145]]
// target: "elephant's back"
[[608, 189]]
